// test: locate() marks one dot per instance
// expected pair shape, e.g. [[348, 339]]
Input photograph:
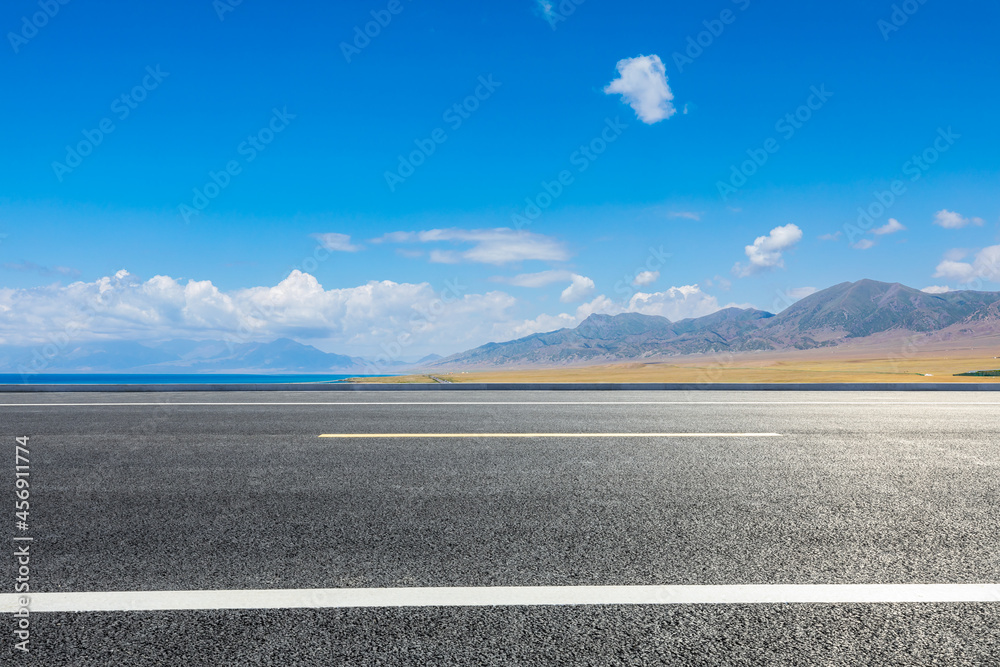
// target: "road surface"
[[501, 528]]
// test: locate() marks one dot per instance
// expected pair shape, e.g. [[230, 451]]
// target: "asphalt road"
[[236, 491]]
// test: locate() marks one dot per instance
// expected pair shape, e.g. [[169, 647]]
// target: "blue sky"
[[311, 122]]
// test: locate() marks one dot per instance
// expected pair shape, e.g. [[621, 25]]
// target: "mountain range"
[[861, 312], [187, 356]]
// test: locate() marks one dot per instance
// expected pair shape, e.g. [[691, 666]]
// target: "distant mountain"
[[427, 360], [97, 357], [178, 356], [282, 354], [846, 312], [867, 307]]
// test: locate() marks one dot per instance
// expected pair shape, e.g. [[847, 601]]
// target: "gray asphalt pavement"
[[237, 491]]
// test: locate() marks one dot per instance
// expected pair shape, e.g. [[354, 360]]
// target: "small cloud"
[[336, 242], [800, 292], [539, 279], [951, 220], [765, 252], [985, 265], [690, 215], [31, 267], [444, 257], [831, 237], [646, 278], [723, 283], [963, 272], [396, 237], [890, 227], [936, 289], [578, 290], [412, 254], [864, 244], [643, 85], [497, 246]]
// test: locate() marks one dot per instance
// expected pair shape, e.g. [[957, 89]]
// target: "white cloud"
[[864, 244], [800, 292], [936, 289], [765, 252], [397, 237], [646, 278], [642, 83], [960, 271], [985, 265], [540, 279], [951, 220], [444, 257], [579, 289], [489, 246], [355, 320], [676, 303], [890, 227], [336, 242], [831, 237], [690, 215]]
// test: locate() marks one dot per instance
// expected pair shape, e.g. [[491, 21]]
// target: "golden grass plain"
[[889, 363]]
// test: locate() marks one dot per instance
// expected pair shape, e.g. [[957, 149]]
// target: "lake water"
[[165, 378]]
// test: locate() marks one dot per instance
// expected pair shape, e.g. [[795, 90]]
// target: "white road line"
[[355, 403], [550, 435], [502, 596]]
